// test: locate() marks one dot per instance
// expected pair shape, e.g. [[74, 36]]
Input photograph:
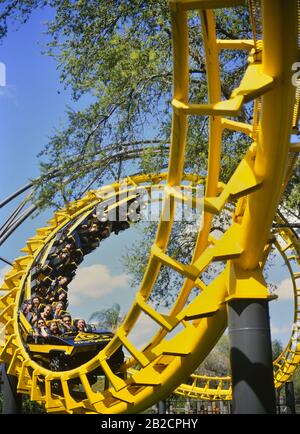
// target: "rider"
[[41, 330], [47, 314], [82, 326], [54, 329], [58, 310], [66, 324]]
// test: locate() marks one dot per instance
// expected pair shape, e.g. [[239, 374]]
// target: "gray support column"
[[251, 357], [162, 406], [12, 401], [290, 398], [278, 401]]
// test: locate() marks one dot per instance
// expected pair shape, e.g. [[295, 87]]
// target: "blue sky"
[[32, 105], [30, 108]]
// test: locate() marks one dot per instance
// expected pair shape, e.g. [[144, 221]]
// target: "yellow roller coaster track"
[[212, 388], [193, 325]]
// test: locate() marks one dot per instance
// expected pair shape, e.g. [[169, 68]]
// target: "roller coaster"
[[194, 323], [211, 388]]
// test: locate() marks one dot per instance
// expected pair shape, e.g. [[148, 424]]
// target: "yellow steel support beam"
[[280, 52], [294, 147], [235, 44], [258, 180], [184, 5], [219, 388]]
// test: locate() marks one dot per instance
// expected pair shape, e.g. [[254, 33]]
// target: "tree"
[[28, 407], [217, 362], [119, 53], [277, 348], [108, 318], [31, 407], [296, 380]]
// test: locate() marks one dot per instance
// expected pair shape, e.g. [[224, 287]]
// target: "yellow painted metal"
[[180, 5], [231, 107], [254, 83], [215, 127], [44, 348], [280, 52], [235, 44], [295, 147], [219, 388], [207, 388], [257, 181], [237, 126]]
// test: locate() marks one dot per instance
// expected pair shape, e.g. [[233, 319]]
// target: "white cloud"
[[3, 272], [143, 331], [285, 290], [9, 92], [94, 281]]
